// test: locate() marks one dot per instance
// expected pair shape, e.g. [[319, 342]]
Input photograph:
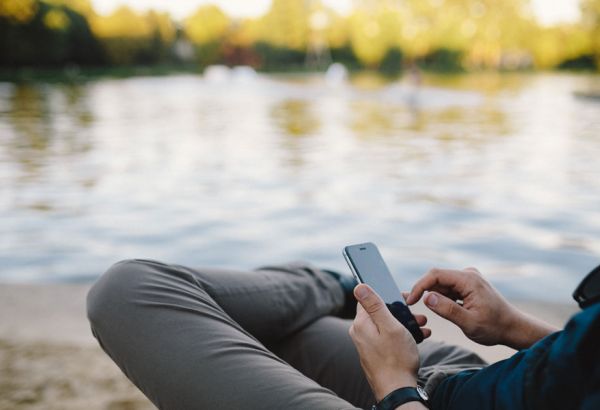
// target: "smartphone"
[[368, 267]]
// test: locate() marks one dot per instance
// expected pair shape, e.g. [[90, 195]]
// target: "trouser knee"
[[115, 290]]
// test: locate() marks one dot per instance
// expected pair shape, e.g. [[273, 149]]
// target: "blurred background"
[[237, 133], [449, 132]]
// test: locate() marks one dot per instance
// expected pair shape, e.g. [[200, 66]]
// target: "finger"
[[362, 322], [452, 279], [426, 332], [374, 306], [421, 319], [405, 295], [446, 291], [361, 314], [447, 308]]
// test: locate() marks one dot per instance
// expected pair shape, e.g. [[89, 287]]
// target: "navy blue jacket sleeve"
[[562, 371]]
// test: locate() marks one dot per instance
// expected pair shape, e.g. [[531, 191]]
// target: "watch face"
[[422, 393]]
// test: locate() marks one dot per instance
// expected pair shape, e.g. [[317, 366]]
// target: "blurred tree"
[[384, 34], [490, 33], [374, 29], [338, 32], [56, 19], [550, 46], [83, 7], [244, 32], [124, 34], [285, 25], [206, 25], [278, 58], [590, 12], [19, 11], [164, 34], [122, 23], [443, 59], [392, 61], [207, 28], [55, 35], [416, 33], [135, 38]]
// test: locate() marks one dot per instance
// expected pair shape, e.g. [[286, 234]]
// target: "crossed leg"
[[211, 338], [197, 338]]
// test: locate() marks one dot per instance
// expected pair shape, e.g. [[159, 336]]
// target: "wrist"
[[524, 331], [405, 398], [386, 386]]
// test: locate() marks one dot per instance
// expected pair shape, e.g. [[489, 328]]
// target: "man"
[[269, 339]]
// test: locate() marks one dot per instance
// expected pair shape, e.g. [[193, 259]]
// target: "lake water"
[[501, 172]]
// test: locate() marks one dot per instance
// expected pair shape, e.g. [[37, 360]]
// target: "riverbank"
[[77, 74], [49, 359]]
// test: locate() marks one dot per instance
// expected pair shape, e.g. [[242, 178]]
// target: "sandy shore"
[[49, 359]]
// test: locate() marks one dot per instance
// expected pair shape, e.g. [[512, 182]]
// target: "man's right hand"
[[484, 315]]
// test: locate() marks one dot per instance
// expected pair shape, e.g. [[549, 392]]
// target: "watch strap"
[[399, 397]]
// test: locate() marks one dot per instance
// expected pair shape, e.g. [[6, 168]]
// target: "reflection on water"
[[496, 171], [38, 117], [295, 117]]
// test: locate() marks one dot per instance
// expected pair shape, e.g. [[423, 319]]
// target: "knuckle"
[[453, 310], [473, 330], [434, 271], [478, 282], [469, 277], [374, 307]]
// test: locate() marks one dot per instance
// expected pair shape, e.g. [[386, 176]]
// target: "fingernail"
[[362, 292], [432, 300]]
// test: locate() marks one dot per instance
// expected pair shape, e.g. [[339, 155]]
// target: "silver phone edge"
[[347, 258]]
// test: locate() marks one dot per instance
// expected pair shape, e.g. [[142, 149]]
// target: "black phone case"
[[401, 312]]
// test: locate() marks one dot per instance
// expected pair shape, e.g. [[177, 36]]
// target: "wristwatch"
[[401, 396]]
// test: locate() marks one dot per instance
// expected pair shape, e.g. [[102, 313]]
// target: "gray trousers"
[[223, 339]]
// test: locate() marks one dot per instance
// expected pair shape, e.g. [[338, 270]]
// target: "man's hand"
[[468, 300], [388, 352]]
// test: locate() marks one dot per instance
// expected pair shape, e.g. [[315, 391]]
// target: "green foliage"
[[277, 58], [36, 43], [346, 56], [590, 11], [442, 60], [207, 25], [392, 62], [441, 35], [209, 53], [130, 38], [285, 25], [584, 62]]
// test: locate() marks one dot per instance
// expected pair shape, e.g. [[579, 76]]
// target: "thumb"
[[447, 308], [374, 306]]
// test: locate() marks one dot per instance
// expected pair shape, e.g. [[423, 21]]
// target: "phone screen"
[[369, 266]]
